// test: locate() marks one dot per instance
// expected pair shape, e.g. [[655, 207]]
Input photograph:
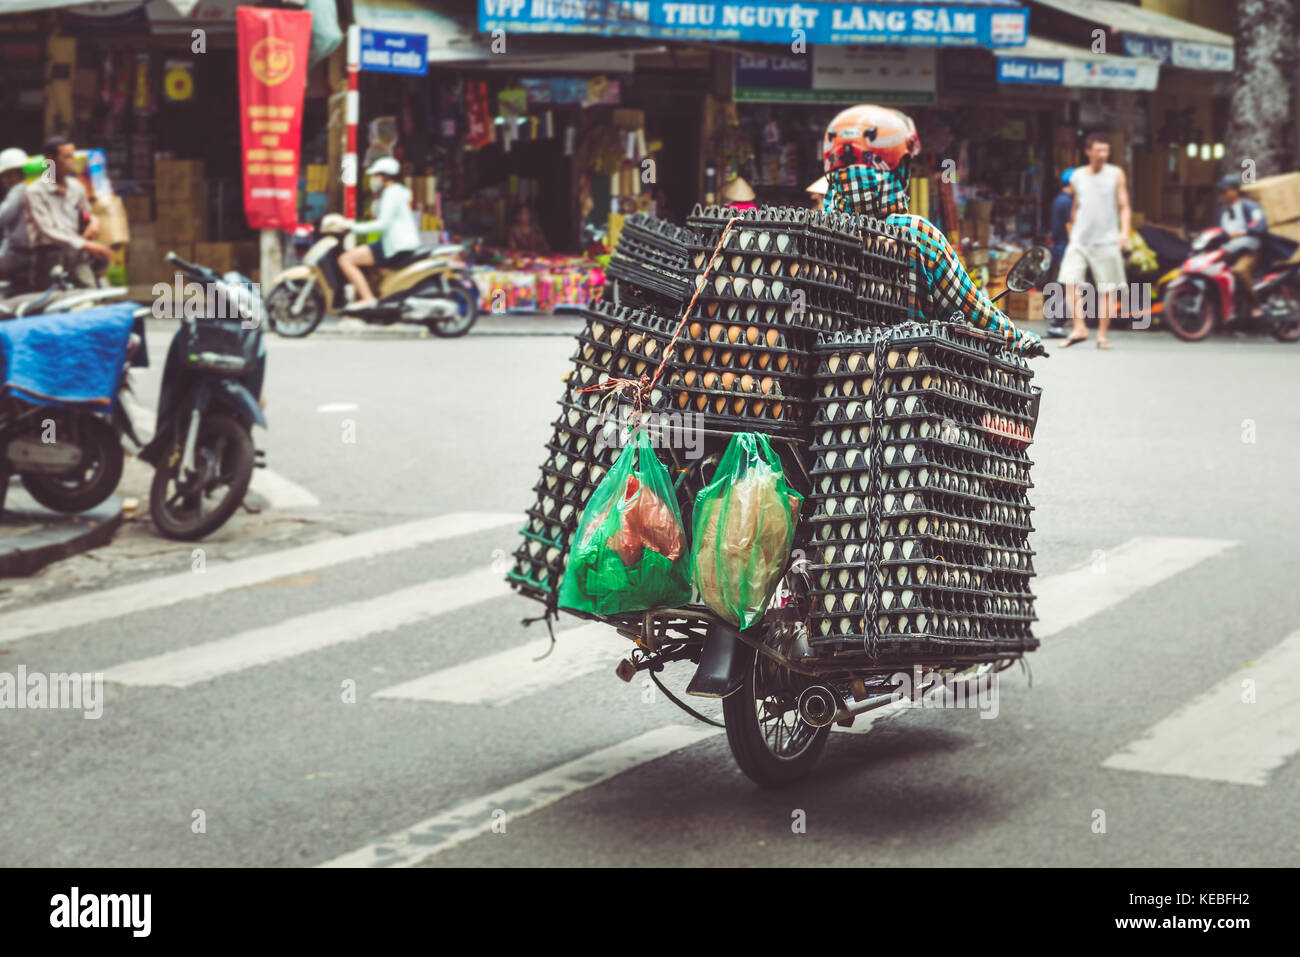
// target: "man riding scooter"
[[395, 224], [867, 155], [1244, 221]]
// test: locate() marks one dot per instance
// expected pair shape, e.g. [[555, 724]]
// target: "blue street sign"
[[394, 52]]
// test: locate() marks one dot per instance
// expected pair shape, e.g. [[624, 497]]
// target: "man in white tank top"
[[1099, 229]]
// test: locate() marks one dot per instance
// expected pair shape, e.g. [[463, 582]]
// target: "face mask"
[[376, 184]]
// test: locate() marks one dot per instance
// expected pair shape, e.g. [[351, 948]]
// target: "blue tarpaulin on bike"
[[67, 358]]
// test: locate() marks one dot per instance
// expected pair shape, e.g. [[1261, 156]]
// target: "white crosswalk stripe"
[[515, 673], [473, 818], [1117, 575], [186, 586], [311, 632], [1066, 600], [1239, 731]]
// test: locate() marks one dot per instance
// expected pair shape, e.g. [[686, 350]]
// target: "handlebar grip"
[[186, 266]]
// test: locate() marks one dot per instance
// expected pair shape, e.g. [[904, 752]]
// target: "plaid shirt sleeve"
[[947, 288]]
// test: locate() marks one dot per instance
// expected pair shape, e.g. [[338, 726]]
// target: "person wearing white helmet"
[[15, 250], [394, 222]]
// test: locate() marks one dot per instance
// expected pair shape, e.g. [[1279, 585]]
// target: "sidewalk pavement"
[[32, 536]]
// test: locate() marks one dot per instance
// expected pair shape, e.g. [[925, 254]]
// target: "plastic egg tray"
[[615, 342], [651, 263], [949, 510]]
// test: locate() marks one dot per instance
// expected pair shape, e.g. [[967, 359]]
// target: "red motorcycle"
[[1206, 296]]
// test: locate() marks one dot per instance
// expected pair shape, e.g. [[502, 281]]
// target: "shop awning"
[[983, 23], [452, 39], [1048, 63], [29, 6], [1146, 33]]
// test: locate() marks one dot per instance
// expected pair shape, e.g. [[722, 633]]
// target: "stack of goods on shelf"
[[921, 471], [650, 266], [616, 342]]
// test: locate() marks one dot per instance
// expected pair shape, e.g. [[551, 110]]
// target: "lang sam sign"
[[394, 52], [987, 23]]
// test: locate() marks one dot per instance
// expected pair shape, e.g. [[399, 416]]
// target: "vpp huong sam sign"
[[984, 23]]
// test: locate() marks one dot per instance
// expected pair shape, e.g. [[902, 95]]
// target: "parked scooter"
[[61, 420], [428, 285], [1207, 296], [62, 296], [202, 452]]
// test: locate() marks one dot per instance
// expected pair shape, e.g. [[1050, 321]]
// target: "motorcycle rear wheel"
[[279, 308], [459, 324], [1192, 313], [1287, 330], [770, 742], [225, 449], [91, 482]]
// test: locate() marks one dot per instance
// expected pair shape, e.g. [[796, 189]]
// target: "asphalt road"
[[310, 688]]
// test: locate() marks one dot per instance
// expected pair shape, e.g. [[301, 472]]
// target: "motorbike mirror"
[[1030, 269]]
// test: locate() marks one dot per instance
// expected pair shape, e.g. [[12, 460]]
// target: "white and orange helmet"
[[869, 135]]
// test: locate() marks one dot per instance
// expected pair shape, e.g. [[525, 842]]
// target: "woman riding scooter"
[[395, 224], [867, 155]]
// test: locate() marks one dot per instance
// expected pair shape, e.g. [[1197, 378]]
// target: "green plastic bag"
[[742, 530], [629, 552]]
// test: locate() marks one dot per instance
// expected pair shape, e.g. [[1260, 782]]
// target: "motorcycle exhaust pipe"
[[819, 706]]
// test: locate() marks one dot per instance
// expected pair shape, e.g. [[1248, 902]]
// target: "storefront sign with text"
[[986, 23]]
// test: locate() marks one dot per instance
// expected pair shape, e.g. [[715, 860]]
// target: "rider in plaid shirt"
[[867, 155]]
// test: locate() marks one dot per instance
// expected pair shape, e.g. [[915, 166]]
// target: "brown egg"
[[747, 383], [701, 401], [756, 407], [724, 357], [706, 354], [738, 406], [715, 332], [695, 330], [891, 358], [727, 379], [634, 342], [682, 399], [689, 377], [743, 359], [733, 333], [871, 361], [912, 356], [855, 360], [772, 337], [720, 404], [688, 353], [709, 379], [833, 363], [777, 409], [614, 336], [751, 334], [782, 360], [711, 308], [766, 385], [763, 359], [598, 330]]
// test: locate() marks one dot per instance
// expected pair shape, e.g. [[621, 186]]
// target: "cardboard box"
[[1289, 231], [181, 221], [978, 231], [1278, 195], [178, 179], [976, 258], [980, 210], [1024, 305], [219, 257], [139, 208]]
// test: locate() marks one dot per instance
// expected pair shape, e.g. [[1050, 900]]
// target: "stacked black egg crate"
[[650, 266], [616, 342], [886, 274], [919, 513], [782, 276]]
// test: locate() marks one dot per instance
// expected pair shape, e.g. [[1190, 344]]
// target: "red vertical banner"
[[273, 48]]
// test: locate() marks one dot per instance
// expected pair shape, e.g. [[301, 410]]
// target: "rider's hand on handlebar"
[[1029, 344]]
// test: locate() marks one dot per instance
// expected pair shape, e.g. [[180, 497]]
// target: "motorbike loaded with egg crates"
[[907, 441]]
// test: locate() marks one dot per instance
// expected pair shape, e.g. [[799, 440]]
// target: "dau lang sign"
[[1018, 70], [394, 52]]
